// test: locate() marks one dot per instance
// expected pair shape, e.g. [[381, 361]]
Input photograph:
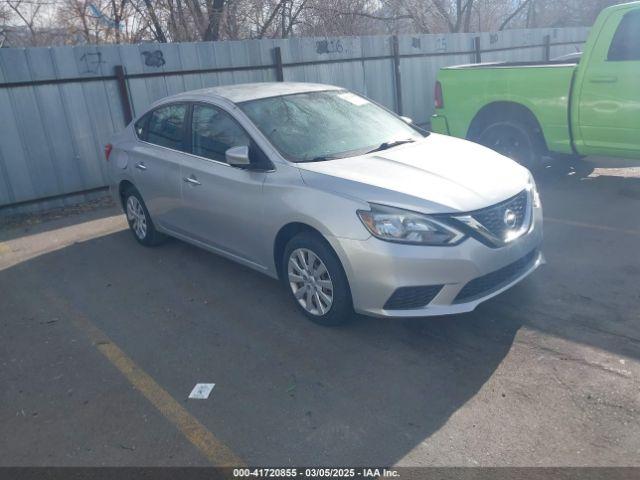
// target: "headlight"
[[533, 189], [403, 226]]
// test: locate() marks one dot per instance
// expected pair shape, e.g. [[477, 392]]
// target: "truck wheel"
[[515, 140]]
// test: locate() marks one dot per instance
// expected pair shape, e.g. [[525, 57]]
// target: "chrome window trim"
[[190, 104]]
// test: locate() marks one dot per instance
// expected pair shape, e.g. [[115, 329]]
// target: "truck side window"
[[626, 41]]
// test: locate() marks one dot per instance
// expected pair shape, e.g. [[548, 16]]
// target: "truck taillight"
[[107, 150], [437, 96]]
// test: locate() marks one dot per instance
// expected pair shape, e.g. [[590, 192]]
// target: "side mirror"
[[238, 156], [408, 120]]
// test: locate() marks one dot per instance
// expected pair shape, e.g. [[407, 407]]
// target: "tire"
[[514, 139], [314, 284], [139, 220]]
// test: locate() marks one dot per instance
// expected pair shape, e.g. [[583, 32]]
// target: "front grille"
[[406, 298], [490, 282], [493, 218]]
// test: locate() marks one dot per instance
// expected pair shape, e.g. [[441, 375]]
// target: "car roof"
[[251, 91]]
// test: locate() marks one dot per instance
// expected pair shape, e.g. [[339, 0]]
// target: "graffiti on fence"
[[153, 58], [92, 62], [441, 44], [329, 46], [415, 42]]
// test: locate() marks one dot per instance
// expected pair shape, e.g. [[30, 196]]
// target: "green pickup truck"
[[528, 111]]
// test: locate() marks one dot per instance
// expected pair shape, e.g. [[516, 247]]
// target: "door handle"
[[192, 181], [141, 166], [603, 79]]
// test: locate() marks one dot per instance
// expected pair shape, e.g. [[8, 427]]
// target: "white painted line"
[[202, 391]]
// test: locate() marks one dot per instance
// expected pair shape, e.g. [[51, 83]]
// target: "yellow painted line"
[[592, 226], [4, 248], [200, 437]]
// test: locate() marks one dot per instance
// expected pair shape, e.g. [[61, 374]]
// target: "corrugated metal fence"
[[59, 105]]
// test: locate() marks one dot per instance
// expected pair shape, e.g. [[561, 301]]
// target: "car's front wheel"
[[139, 219], [316, 280]]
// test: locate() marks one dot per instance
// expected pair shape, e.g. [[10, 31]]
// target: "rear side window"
[[626, 41], [213, 132], [166, 127], [141, 127]]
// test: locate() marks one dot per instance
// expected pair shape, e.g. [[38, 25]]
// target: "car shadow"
[[365, 393]]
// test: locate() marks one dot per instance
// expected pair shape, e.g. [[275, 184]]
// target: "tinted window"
[[213, 132], [166, 126], [626, 42]]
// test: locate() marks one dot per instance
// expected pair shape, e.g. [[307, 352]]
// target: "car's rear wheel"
[[316, 280], [515, 140], [139, 219]]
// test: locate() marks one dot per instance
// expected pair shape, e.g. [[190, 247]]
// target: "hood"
[[438, 174]]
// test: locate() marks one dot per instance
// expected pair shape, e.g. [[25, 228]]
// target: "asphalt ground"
[[102, 340]]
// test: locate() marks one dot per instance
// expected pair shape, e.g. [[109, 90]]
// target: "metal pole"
[[547, 48], [279, 67], [124, 93], [396, 69], [476, 47]]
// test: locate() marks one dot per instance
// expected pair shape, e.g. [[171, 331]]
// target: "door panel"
[[609, 99], [222, 205], [156, 163]]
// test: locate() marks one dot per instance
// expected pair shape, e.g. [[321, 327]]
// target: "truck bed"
[[542, 87]]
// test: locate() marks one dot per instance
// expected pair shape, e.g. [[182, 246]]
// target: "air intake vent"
[[493, 281], [407, 298]]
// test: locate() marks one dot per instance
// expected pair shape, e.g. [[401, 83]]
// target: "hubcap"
[[136, 217], [310, 281]]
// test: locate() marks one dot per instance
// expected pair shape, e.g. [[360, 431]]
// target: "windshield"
[[317, 126]]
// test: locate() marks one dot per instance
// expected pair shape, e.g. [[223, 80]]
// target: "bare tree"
[[28, 13]]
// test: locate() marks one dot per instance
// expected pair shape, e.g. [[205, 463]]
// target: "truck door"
[[609, 95]]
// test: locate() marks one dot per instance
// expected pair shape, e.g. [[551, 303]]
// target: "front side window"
[[213, 132], [166, 126], [317, 126], [626, 41]]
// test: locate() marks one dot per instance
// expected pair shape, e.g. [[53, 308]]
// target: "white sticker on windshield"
[[353, 98]]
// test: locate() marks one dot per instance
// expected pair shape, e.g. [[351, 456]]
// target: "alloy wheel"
[[137, 217], [310, 281]]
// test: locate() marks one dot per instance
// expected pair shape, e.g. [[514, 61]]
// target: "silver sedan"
[[350, 205]]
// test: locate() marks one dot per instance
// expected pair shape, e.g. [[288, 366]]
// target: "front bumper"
[[376, 269]]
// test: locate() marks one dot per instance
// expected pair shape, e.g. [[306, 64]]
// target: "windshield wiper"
[[321, 158], [388, 145]]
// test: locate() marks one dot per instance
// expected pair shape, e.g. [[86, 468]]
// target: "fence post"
[[547, 48], [396, 69], [476, 47], [124, 93], [279, 67]]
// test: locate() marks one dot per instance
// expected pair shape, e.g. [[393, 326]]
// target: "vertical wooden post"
[[547, 48], [124, 93], [396, 70], [279, 67], [476, 47]]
